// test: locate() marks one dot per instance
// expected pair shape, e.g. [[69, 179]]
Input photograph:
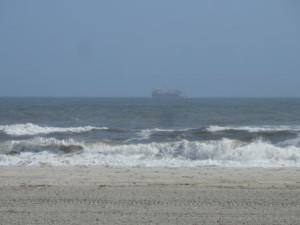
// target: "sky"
[[110, 48]]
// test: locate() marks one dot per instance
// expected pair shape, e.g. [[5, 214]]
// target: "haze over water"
[[206, 48]]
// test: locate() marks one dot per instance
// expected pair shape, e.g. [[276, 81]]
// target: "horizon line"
[[189, 97]]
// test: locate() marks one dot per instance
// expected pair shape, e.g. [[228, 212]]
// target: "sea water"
[[148, 132]]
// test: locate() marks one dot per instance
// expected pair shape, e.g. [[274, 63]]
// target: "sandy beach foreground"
[[101, 195]]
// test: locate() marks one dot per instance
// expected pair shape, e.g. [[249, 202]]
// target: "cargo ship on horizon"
[[163, 93]]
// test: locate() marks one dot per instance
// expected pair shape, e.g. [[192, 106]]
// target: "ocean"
[[149, 132]]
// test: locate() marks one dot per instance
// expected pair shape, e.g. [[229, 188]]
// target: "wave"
[[212, 129], [225, 152], [40, 144], [254, 129], [245, 133], [32, 129], [146, 133]]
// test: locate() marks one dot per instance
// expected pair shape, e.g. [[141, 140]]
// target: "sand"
[[103, 195]]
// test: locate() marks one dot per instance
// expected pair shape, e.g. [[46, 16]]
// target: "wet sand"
[[102, 195]]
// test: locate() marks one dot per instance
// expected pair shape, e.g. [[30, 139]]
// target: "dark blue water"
[[148, 112], [191, 132]]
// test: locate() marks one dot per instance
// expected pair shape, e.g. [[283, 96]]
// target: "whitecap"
[[253, 129], [32, 129]]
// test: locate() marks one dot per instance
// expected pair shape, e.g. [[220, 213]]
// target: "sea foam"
[[225, 152], [32, 129], [254, 129]]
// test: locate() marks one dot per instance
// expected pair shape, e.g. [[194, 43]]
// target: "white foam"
[[32, 129], [225, 152], [254, 129]]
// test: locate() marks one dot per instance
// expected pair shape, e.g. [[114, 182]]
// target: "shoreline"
[[125, 195], [133, 176]]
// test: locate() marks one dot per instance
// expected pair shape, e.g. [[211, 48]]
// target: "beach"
[[126, 195]]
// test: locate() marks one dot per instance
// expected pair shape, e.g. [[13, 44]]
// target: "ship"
[[163, 93]]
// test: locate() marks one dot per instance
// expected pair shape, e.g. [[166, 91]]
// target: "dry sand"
[[99, 195]]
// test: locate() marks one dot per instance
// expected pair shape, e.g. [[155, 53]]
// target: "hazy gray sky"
[[229, 48]]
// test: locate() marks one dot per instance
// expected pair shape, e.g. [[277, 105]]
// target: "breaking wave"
[[225, 152], [32, 129], [40, 144], [273, 134], [212, 129], [254, 129]]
